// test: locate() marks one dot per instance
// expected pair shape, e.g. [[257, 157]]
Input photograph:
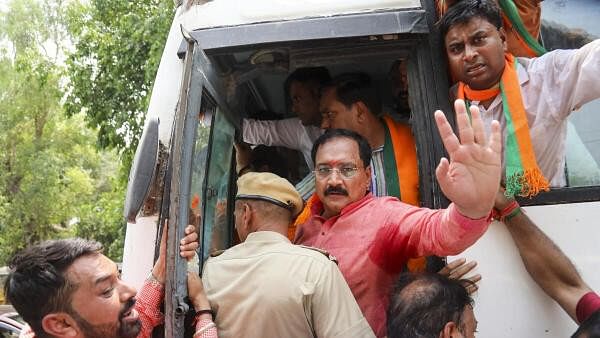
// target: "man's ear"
[[247, 217], [502, 33], [450, 330], [361, 111], [368, 173], [60, 325]]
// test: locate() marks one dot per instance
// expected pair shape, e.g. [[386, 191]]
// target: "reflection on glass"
[[569, 24], [216, 230], [205, 118]]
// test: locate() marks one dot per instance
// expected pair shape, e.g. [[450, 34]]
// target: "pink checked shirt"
[[372, 239]]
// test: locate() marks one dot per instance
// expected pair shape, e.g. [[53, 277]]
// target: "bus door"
[[200, 164]]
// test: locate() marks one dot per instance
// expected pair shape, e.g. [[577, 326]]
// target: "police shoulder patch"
[[324, 252], [216, 253]]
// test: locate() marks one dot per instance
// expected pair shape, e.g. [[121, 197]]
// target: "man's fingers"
[[471, 283], [451, 266], [441, 172], [188, 249], [477, 123], [475, 279], [163, 239], [496, 138], [464, 124], [449, 139], [464, 269], [189, 238], [189, 229]]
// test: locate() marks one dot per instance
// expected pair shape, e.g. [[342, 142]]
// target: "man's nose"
[[470, 52], [325, 123], [335, 178], [126, 292]]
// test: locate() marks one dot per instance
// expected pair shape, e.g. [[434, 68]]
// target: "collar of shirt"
[[523, 78], [266, 236]]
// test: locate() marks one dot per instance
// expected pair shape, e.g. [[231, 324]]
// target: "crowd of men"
[[343, 273]]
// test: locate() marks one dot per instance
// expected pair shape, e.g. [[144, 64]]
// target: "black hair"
[[423, 303], [590, 328], [356, 87], [37, 285], [364, 149], [265, 156], [317, 75], [465, 10]]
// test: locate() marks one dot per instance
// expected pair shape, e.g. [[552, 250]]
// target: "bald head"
[[422, 305]]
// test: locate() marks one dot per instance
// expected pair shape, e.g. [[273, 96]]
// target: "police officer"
[[268, 287]]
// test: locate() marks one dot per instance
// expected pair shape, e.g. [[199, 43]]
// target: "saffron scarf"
[[400, 162], [523, 176], [512, 19]]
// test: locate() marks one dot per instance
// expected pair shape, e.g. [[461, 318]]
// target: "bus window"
[[216, 232], [570, 25], [205, 117]]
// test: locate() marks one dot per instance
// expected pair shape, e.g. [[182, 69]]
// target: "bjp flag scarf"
[[523, 176]]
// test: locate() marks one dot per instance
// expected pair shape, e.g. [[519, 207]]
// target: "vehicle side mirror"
[[142, 170]]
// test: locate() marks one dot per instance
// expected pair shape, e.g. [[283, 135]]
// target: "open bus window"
[[570, 25]]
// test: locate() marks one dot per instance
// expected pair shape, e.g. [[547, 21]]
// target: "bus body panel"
[[222, 13], [509, 303], [138, 253]]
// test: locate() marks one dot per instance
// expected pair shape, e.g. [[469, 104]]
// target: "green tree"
[[118, 49], [51, 173]]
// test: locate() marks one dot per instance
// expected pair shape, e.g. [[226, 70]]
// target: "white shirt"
[[289, 133], [552, 86]]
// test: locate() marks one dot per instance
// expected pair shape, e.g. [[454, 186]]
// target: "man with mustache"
[[374, 237], [266, 287], [68, 288], [531, 98]]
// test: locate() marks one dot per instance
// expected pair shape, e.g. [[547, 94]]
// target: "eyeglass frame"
[[331, 170]]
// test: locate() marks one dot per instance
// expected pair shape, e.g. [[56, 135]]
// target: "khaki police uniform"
[[267, 287]]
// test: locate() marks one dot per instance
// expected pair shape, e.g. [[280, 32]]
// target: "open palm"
[[472, 176]]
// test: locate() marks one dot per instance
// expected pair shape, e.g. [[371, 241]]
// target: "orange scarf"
[[523, 176]]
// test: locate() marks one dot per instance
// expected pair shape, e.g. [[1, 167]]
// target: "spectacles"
[[328, 116], [344, 172]]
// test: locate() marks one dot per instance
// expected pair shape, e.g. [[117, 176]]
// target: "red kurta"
[[374, 237]]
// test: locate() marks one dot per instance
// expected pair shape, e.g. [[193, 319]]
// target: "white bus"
[[225, 60]]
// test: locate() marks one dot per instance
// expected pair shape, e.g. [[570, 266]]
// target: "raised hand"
[[187, 247], [472, 176]]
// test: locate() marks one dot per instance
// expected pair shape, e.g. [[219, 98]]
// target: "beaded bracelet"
[[514, 213], [508, 210]]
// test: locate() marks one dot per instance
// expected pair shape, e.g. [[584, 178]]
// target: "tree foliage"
[[53, 181], [118, 48]]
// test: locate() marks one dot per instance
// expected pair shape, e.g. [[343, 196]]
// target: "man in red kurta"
[[373, 237]]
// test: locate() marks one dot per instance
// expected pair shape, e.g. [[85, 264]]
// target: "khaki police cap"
[[271, 188]]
